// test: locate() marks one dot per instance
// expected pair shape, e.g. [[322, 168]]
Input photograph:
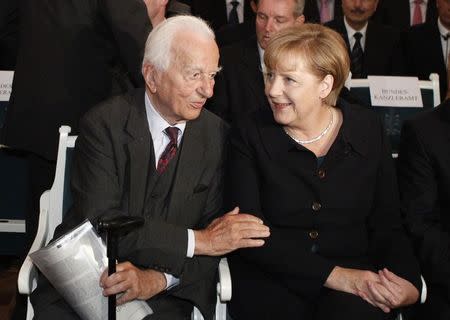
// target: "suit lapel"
[[141, 155], [371, 49], [402, 6], [221, 12], [192, 154], [248, 12], [340, 27], [252, 62]]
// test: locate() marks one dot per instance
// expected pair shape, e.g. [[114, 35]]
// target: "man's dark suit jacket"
[[231, 34], [312, 13], [397, 13], [9, 33], [114, 172], [382, 52], [423, 53], [215, 11], [343, 212], [239, 87], [424, 181], [73, 54]]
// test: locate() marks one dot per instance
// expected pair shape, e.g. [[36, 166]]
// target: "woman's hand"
[[384, 290], [358, 282], [352, 281], [393, 291]]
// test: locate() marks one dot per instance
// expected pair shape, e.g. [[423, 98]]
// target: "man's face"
[[273, 16], [358, 12], [180, 92], [443, 7]]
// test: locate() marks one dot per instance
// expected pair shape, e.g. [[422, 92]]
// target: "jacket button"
[[316, 206], [321, 173], [313, 234]]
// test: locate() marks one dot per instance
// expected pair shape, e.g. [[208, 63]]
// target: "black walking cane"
[[114, 227]]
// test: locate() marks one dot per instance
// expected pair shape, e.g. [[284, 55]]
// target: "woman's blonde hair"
[[318, 48]]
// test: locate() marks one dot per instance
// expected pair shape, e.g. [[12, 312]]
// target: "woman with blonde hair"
[[318, 171]]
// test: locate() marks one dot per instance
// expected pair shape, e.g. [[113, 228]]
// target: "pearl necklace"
[[320, 136]]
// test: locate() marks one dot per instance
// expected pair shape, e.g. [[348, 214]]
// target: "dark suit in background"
[[383, 53], [342, 212], [73, 54], [215, 11], [239, 87], [397, 13], [424, 181], [312, 13], [9, 29], [423, 53], [230, 34], [114, 169]]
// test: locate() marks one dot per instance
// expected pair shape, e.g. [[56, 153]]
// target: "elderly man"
[[156, 154], [240, 85], [374, 49]]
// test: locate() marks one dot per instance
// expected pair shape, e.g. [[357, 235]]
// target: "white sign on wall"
[[6, 78], [386, 91]]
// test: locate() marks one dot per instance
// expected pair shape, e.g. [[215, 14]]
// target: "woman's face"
[[294, 93]]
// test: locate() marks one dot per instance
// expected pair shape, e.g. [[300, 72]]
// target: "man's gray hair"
[[298, 9], [158, 48]]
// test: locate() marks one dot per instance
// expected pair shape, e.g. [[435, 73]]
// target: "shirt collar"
[[157, 124], [442, 29], [261, 57]]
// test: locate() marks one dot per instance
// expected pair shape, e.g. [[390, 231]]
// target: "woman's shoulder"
[[354, 112]]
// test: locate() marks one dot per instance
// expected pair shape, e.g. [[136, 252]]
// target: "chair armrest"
[[224, 284], [28, 274]]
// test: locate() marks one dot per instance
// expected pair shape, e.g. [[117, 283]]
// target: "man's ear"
[[254, 6], [150, 76], [299, 20]]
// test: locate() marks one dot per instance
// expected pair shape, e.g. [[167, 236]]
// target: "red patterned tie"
[[170, 150], [417, 14]]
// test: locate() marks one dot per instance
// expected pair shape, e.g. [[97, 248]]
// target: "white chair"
[[394, 117], [50, 216], [56, 201]]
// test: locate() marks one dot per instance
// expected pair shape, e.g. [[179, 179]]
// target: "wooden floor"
[[9, 268]]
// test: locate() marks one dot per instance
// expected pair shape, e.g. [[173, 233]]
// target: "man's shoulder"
[[383, 35], [428, 121], [336, 24], [211, 123], [423, 29], [236, 50], [116, 109]]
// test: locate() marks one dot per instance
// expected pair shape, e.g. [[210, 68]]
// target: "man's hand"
[[229, 232], [133, 282], [393, 291]]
